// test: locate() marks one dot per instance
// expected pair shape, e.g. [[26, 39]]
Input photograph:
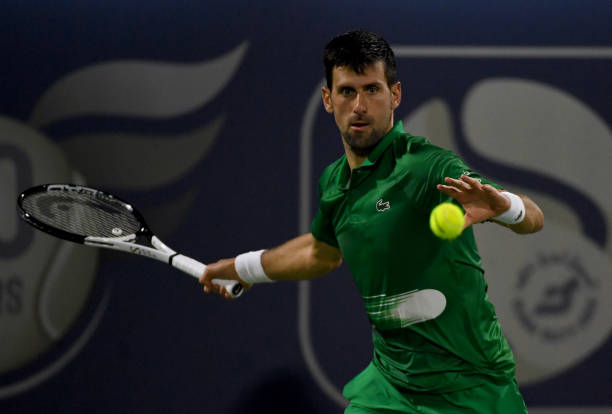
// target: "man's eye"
[[346, 91], [372, 89]]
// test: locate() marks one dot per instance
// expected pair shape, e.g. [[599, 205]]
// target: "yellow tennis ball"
[[446, 221]]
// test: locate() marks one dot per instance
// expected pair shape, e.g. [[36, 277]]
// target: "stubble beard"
[[362, 145]]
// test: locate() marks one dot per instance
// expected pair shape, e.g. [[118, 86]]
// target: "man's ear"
[[396, 95], [327, 101]]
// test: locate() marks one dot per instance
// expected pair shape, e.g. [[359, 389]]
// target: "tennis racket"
[[95, 218]]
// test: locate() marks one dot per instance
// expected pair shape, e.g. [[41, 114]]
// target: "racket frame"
[[142, 243]]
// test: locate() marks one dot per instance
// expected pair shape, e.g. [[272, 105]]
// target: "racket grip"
[[196, 269]]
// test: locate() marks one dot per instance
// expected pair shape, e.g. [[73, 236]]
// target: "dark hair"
[[358, 49]]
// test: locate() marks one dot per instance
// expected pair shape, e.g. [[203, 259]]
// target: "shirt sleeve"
[[322, 227], [451, 165]]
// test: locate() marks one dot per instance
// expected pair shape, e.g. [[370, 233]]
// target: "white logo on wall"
[[555, 297], [559, 278], [549, 289], [45, 284]]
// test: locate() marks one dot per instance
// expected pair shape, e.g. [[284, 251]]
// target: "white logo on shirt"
[[469, 173], [382, 205], [405, 309]]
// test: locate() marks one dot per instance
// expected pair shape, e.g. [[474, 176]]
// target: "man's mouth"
[[359, 125]]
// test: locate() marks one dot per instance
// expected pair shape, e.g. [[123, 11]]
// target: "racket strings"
[[84, 214]]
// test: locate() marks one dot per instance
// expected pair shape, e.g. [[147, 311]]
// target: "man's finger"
[[471, 181], [460, 184], [449, 190]]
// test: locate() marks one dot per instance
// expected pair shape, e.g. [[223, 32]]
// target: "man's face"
[[362, 105]]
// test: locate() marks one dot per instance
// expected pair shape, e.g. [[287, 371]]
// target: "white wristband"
[[249, 268], [516, 213]]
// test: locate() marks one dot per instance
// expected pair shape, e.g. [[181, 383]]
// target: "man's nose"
[[359, 105]]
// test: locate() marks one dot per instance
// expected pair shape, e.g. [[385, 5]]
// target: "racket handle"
[[196, 269]]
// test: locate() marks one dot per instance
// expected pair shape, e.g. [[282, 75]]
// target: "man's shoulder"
[[410, 145], [334, 167], [331, 172]]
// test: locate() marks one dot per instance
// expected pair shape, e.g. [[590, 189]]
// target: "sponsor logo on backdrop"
[[555, 297], [549, 288], [47, 284]]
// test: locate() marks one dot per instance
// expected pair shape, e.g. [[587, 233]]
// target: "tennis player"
[[438, 345]]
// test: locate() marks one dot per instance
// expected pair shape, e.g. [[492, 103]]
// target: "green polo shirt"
[[434, 329]]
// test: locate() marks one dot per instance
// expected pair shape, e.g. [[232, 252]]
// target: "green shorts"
[[370, 392]]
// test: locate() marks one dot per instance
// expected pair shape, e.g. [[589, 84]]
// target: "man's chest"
[[378, 209]]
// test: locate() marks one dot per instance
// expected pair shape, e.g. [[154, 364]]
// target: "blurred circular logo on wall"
[[550, 298], [48, 308]]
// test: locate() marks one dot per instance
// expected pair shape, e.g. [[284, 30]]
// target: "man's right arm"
[[301, 258]]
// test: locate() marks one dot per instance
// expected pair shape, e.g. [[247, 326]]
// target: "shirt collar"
[[345, 171], [397, 129]]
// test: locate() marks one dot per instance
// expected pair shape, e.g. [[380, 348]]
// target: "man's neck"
[[354, 160]]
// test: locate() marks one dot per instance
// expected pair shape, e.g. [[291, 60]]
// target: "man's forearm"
[[301, 258], [533, 221]]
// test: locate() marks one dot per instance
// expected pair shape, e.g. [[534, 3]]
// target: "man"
[[438, 347]]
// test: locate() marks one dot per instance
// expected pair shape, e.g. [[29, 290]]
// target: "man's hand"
[[223, 269], [480, 201]]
